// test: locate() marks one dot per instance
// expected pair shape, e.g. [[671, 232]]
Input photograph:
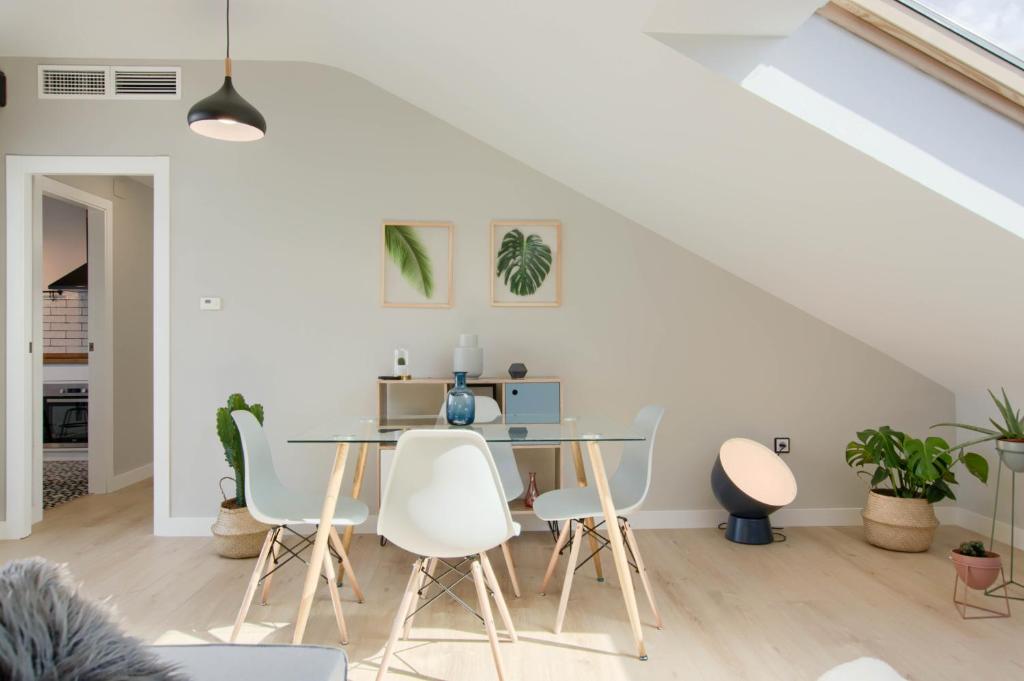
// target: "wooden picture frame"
[[406, 289], [548, 291]]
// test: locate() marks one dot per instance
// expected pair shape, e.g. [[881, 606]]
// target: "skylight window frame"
[[935, 49], [963, 32]]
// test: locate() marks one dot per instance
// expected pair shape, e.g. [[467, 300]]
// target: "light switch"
[[209, 303]]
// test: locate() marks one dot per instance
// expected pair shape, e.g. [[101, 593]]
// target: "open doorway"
[[94, 322], [22, 460]]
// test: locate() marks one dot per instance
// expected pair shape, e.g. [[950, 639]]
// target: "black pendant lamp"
[[225, 115]]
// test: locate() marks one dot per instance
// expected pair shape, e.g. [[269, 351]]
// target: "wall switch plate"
[[782, 445], [211, 303]]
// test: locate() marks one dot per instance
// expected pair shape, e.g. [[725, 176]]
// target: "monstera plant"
[[523, 262], [407, 251], [907, 475]]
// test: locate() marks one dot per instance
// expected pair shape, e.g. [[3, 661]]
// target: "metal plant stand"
[[1005, 585]]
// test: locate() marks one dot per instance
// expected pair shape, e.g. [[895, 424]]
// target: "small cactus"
[[972, 548], [227, 431]]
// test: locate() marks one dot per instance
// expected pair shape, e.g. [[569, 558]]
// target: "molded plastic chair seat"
[[306, 510], [629, 486], [271, 502], [572, 503]]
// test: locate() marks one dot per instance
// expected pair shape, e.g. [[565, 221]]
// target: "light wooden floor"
[[786, 611]]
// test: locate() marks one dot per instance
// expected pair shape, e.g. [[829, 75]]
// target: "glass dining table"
[[575, 433]]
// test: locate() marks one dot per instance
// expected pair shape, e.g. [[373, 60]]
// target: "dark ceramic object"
[[517, 370]]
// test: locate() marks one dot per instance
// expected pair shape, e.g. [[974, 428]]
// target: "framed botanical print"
[[416, 264], [526, 263]]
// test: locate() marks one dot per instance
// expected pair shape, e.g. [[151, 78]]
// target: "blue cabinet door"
[[532, 403]]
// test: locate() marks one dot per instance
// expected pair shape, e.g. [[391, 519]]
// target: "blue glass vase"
[[460, 407]]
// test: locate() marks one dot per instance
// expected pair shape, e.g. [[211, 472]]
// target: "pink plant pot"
[[977, 573]]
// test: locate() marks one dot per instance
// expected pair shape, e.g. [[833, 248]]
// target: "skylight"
[[996, 26]]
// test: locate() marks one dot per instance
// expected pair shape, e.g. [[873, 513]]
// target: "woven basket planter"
[[236, 534], [899, 524]]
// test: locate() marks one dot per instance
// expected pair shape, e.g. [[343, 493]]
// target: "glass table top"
[[371, 431]]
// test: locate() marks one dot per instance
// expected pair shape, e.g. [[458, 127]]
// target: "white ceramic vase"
[[468, 356]]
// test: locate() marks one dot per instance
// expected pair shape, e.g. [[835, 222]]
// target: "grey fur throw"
[[49, 632]]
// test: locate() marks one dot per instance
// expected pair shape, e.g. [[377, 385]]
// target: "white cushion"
[[862, 669]]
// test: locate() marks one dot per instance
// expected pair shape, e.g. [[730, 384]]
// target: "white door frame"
[[21, 296], [101, 334]]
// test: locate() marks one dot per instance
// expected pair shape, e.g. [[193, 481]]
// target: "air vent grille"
[[149, 82], [109, 82], [55, 81]]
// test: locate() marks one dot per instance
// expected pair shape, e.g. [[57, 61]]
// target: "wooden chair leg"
[[250, 591], [511, 568], [499, 598], [421, 578], [274, 552], [570, 569], [396, 626], [332, 587], [485, 610], [631, 540], [562, 537], [346, 564]]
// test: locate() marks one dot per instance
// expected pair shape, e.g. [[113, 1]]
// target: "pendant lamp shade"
[[226, 115]]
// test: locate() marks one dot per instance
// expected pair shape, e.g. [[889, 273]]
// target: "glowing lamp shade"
[[225, 115], [751, 482]]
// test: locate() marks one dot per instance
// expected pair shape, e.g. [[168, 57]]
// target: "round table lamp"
[[751, 482]]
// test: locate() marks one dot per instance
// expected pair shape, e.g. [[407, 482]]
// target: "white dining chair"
[[629, 486], [271, 502], [443, 502], [488, 411]]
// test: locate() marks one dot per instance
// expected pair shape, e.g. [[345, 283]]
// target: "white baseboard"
[[182, 527], [65, 455], [982, 524], [671, 520], [641, 520], [131, 477]]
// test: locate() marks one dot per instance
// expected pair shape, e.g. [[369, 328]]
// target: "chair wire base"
[[305, 541], [442, 588]]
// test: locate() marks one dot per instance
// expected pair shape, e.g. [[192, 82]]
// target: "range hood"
[[77, 278]]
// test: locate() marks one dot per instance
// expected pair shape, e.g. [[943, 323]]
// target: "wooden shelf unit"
[[422, 398]]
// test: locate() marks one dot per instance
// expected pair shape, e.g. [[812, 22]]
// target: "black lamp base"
[[749, 530]]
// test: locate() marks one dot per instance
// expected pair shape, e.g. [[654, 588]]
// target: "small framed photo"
[[416, 264], [526, 263]]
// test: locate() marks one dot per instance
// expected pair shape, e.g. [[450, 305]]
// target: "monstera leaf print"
[[405, 248], [523, 262]]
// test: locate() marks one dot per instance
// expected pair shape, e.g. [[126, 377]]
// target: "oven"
[[65, 415]]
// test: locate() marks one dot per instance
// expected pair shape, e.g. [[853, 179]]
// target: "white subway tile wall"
[[66, 322]]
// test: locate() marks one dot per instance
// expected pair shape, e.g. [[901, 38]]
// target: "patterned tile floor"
[[64, 481]]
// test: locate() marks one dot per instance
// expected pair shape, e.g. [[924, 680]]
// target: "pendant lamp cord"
[[227, 27]]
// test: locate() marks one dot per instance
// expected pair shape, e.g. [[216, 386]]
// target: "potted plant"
[[976, 567], [909, 476], [236, 533], [1008, 435]]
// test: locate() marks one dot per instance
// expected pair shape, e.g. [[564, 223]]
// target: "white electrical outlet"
[[211, 303]]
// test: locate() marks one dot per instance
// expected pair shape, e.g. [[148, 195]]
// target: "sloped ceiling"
[[576, 89]]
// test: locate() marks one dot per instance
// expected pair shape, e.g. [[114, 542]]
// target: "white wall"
[[286, 231], [64, 238]]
